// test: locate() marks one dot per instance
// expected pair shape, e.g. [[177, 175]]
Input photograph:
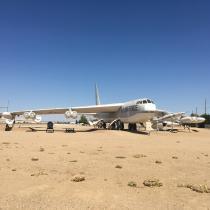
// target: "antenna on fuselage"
[[97, 95]]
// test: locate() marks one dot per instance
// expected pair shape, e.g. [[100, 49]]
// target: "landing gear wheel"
[[132, 127], [104, 125], [122, 126], [113, 126], [118, 125]]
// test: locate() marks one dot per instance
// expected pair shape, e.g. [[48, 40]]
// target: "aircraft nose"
[[201, 119], [150, 107]]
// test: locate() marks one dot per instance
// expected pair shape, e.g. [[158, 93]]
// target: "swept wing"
[[81, 109]]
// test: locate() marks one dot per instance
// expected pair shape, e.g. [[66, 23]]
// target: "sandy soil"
[[47, 183]]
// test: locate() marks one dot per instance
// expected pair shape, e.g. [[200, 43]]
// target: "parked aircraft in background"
[[174, 119]]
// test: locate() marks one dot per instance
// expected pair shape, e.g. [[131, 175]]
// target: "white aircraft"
[[131, 112], [173, 119]]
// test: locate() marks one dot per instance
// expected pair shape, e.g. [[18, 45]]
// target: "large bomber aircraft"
[[131, 112]]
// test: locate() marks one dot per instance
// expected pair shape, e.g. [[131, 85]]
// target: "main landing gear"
[[116, 125], [101, 124], [132, 127]]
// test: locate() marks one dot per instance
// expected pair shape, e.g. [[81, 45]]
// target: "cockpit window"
[[144, 101], [139, 102]]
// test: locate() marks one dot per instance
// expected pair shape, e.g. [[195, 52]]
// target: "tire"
[[132, 127], [122, 126], [104, 125]]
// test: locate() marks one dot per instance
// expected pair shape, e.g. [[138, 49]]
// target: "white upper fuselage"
[[136, 111]]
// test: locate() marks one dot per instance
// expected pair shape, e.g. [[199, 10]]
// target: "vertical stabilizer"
[[97, 95]]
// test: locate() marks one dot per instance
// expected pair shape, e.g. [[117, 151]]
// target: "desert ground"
[[103, 169]]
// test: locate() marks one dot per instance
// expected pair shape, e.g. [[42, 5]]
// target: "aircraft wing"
[[98, 108], [160, 113], [42, 111], [82, 109], [171, 116]]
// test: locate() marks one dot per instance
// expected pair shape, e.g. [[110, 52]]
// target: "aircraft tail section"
[[97, 95]]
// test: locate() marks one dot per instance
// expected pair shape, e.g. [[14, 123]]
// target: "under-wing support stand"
[[69, 130], [8, 127], [50, 127]]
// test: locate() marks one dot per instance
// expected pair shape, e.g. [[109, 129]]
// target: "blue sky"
[[53, 52]]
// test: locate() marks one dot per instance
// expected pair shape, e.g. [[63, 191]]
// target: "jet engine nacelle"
[[70, 114], [192, 120], [7, 115], [29, 115], [38, 119], [10, 122]]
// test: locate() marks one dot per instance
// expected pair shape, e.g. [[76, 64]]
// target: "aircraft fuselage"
[[137, 111]]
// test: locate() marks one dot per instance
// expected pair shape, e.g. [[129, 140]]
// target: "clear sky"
[[53, 52]]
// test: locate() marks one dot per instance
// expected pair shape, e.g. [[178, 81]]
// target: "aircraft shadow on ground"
[[146, 133], [89, 130], [178, 130], [61, 130], [85, 131], [195, 130]]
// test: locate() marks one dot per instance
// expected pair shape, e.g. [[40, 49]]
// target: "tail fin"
[[97, 95]]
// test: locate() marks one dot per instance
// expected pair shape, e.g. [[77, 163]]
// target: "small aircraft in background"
[[175, 119]]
